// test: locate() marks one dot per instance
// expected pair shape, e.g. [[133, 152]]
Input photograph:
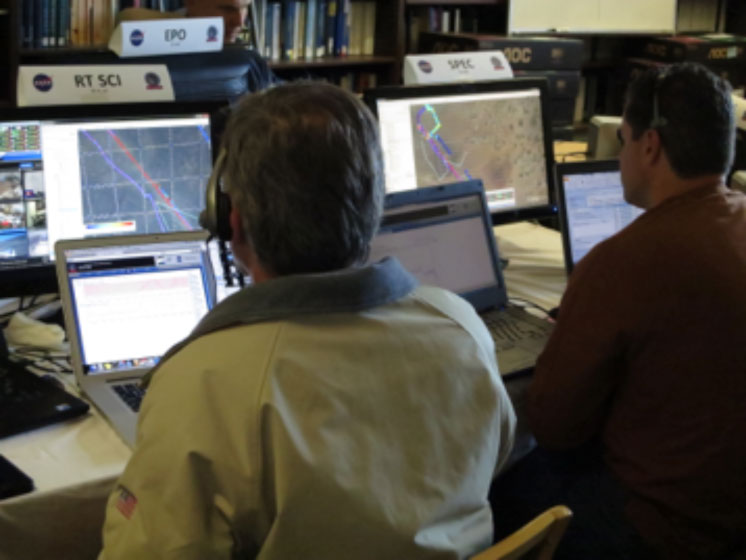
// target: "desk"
[[75, 464]]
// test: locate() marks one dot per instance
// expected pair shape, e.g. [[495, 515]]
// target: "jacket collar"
[[342, 291]]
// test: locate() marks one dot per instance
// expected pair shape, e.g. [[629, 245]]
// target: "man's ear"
[[652, 148], [239, 236]]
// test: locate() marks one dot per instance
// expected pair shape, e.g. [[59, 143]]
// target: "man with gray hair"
[[332, 409]]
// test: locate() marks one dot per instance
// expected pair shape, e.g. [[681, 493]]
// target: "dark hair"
[[695, 117], [304, 170]]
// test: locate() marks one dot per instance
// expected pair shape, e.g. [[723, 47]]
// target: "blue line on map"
[[130, 179]]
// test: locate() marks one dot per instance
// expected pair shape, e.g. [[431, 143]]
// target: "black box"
[[523, 53], [712, 48], [561, 111], [563, 84]]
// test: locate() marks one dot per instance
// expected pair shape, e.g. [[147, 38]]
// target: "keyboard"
[[130, 393], [27, 401], [519, 338]]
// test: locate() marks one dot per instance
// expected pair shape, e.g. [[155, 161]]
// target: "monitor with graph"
[[498, 132], [83, 171]]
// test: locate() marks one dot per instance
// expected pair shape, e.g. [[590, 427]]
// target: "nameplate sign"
[[167, 36], [82, 85], [454, 67]]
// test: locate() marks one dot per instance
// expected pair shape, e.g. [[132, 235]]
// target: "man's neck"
[[673, 186]]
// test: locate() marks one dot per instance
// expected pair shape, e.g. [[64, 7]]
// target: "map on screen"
[[496, 141], [153, 178]]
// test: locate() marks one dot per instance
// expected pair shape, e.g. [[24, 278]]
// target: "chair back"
[[537, 539]]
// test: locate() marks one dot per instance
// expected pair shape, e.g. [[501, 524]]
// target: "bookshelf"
[[383, 66], [9, 44]]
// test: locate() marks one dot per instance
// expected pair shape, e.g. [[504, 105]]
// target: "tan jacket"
[[324, 432]]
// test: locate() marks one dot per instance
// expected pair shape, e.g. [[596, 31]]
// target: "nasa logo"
[[42, 82], [425, 66], [212, 34], [153, 81], [137, 37]]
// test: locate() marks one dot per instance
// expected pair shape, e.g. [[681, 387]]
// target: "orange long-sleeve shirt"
[[649, 353]]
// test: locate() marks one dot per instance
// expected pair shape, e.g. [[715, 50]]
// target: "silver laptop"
[[126, 301], [443, 236]]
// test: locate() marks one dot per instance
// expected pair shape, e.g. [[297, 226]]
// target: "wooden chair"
[[537, 539]]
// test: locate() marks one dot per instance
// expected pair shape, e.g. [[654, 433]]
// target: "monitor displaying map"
[[495, 131], [74, 172]]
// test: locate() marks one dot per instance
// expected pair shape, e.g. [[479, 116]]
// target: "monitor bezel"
[[575, 168], [503, 216], [21, 279]]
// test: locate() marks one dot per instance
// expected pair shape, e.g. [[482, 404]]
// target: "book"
[[369, 27], [711, 47], [320, 29], [523, 53], [309, 48]]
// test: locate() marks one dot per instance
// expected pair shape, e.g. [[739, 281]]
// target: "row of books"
[[309, 29], [63, 23], [444, 19]]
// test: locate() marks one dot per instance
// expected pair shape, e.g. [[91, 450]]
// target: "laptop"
[[591, 204], [28, 401], [126, 301], [443, 236]]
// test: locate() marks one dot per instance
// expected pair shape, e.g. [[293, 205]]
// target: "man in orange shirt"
[[638, 397]]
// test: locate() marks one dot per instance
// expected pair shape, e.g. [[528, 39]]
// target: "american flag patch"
[[126, 502]]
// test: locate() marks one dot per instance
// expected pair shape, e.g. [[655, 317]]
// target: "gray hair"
[[305, 172]]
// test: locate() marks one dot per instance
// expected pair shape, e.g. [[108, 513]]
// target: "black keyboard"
[[27, 401], [130, 393]]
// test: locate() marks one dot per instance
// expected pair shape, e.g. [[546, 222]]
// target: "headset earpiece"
[[215, 218]]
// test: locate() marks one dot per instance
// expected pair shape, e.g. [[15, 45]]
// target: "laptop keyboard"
[[130, 393], [507, 330], [519, 338]]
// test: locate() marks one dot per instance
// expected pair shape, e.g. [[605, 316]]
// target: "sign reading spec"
[[453, 67], [76, 85], [167, 36]]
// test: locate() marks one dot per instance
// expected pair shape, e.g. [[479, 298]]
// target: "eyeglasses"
[[620, 137]]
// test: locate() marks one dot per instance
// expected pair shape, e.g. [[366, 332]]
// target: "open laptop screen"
[[443, 237], [592, 206], [132, 302]]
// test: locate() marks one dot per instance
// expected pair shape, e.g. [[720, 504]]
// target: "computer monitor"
[[591, 203], [81, 171], [498, 132]]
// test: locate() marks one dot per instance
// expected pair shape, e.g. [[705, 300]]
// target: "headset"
[[215, 218], [658, 121]]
